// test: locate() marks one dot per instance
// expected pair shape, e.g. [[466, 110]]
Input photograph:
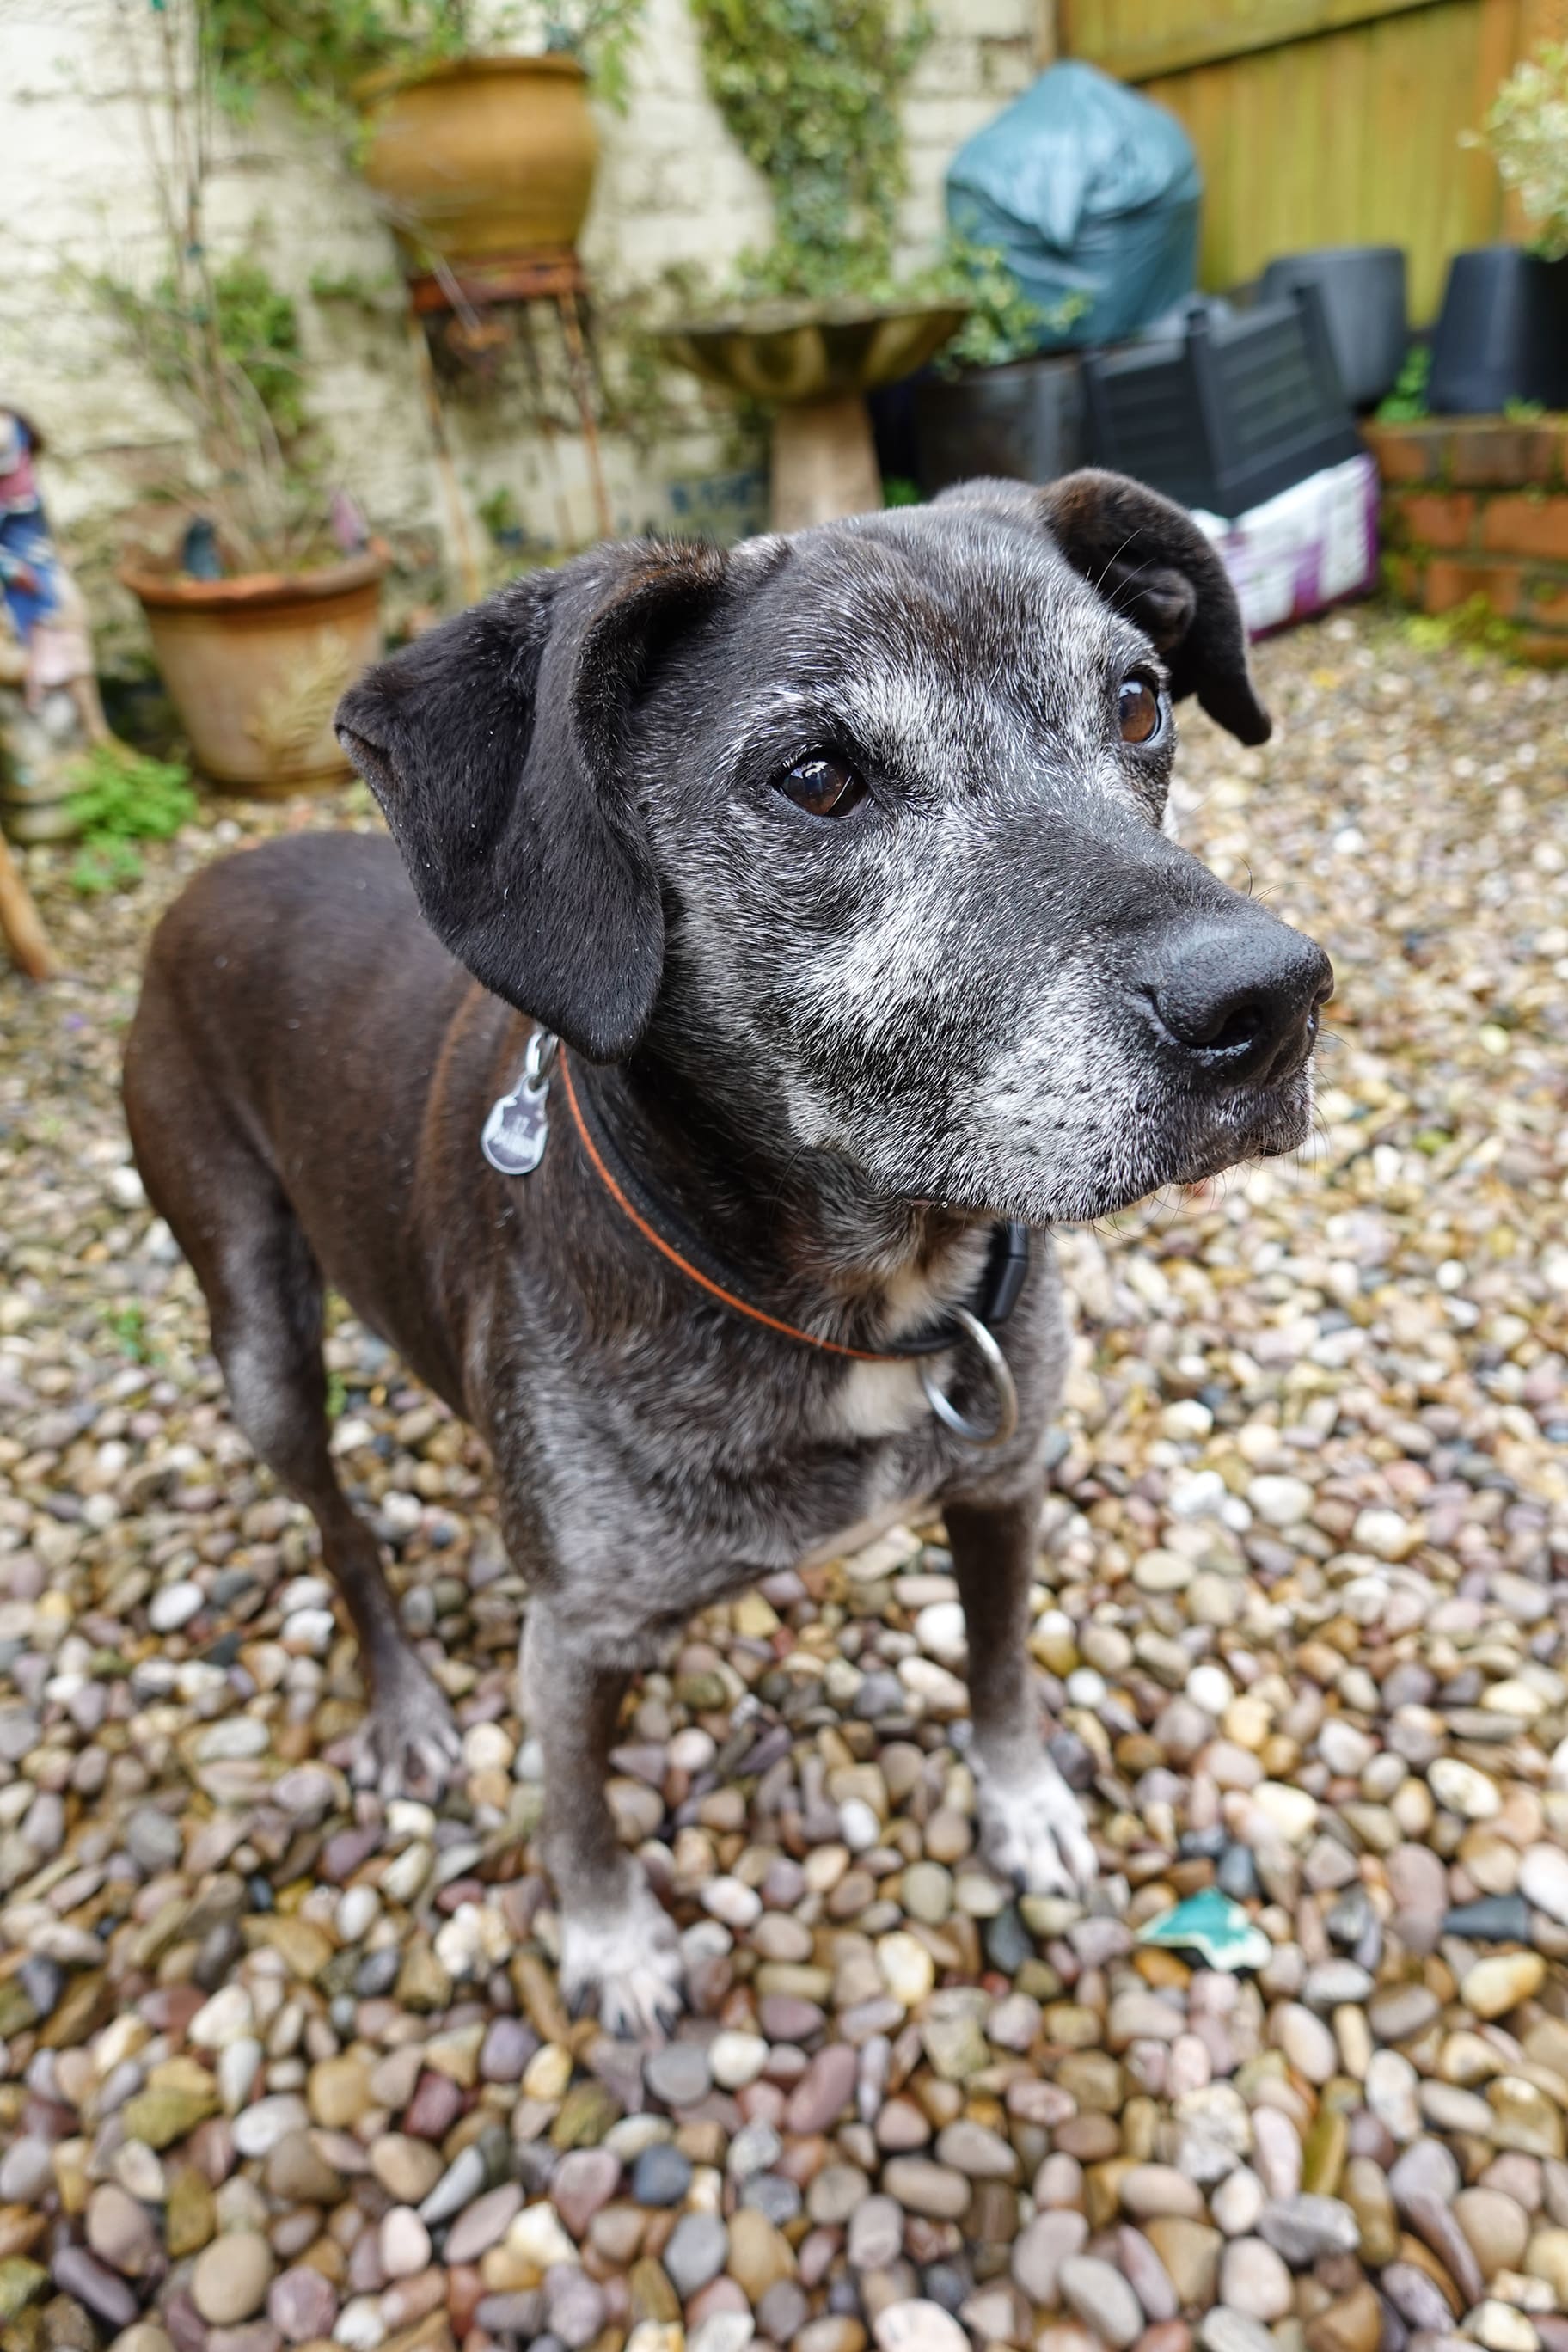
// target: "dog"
[[836, 865]]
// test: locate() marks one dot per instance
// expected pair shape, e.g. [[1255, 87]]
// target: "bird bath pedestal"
[[814, 364]]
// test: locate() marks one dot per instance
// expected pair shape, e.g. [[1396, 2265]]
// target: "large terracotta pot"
[[482, 157], [255, 666]]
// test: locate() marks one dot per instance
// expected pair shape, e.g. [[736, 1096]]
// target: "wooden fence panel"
[[1322, 122]]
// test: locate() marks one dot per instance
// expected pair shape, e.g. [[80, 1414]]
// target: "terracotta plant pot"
[[255, 666], [482, 157]]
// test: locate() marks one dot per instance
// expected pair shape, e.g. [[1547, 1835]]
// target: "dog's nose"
[[1242, 1001]]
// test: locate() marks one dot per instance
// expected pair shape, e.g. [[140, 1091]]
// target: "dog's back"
[[278, 1074]]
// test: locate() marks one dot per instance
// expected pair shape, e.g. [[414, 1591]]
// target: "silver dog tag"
[[517, 1129]]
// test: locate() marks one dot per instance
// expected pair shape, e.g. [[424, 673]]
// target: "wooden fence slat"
[[1137, 42], [1345, 130]]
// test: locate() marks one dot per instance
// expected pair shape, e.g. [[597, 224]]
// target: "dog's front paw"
[[1032, 1828], [630, 1959], [410, 1745]]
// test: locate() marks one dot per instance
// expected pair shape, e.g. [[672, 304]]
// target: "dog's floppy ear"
[[498, 747], [1147, 557]]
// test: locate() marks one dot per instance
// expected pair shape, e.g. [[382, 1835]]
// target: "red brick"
[[1449, 584], [1525, 526], [1404, 453], [1544, 652], [1547, 601], [1403, 575], [1432, 518], [1488, 453]]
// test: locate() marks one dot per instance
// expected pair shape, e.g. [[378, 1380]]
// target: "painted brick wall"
[[74, 195]]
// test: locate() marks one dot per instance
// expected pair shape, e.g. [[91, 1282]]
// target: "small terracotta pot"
[[482, 157], [255, 666]]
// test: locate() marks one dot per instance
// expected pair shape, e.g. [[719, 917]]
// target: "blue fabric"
[[24, 540], [1089, 190]]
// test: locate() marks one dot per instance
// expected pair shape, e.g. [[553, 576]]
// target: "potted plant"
[[474, 154], [1502, 333], [266, 603]]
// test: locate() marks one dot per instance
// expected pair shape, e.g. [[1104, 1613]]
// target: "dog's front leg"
[[617, 1941], [1031, 1825]]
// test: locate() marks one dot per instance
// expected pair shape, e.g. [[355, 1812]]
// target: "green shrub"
[[1527, 129], [120, 797]]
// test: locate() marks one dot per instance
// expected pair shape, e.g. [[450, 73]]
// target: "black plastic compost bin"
[[1228, 413], [1363, 287], [1022, 421]]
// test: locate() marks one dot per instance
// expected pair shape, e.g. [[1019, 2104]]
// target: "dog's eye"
[[824, 786], [1139, 713]]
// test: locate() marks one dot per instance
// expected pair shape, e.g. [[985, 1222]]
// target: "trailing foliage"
[[1003, 323], [1527, 129], [120, 797], [809, 92], [317, 50]]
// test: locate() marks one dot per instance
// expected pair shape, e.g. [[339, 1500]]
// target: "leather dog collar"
[[513, 1142]]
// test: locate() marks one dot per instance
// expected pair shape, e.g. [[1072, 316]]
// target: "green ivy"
[[317, 50], [258, 328], [1407, 401], [809, 92], [120, 797], [1003, 323]]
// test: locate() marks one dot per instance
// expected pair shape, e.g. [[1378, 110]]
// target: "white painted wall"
[[75, 195]]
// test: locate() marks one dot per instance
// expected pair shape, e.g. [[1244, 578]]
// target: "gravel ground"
[[279, 2063]]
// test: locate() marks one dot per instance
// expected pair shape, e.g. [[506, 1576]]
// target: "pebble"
[[923, 2187], [1223, 2330], [1496, 2228], [1039, 2252], [1300, 1618], [1306, 2041], [121, 2231], [1102, 2299], [405, 2243], [482, 2224], [461, 2181], [175, 1606], [302, 2305], [231, 2277], [1304, 2228], [661, 2175], [1464, 1789], [1543, 1881], [1495, 1986], [76, 2273], [1254, 2281], [695, 2251], [736, 2058], [678, 2074], [918, 2326]]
